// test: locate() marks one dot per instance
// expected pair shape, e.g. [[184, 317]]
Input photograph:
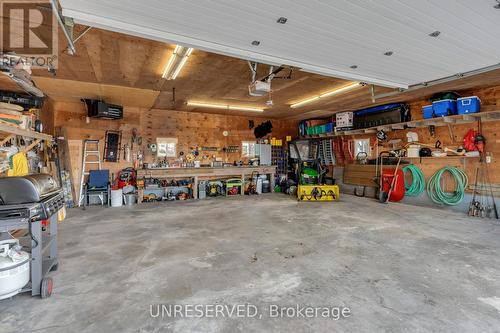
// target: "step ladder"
[[329, 156], [321, 153], [326, 154], [90, 149]]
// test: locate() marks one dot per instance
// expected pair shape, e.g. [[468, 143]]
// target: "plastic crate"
[[428, 112], [445, 107], [467, 105]]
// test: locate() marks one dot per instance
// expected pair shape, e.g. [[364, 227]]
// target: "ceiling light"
[[176, 62], [256, 43], [224, 106], [435, 33], [306, 101], [327, 94], [282, 20]]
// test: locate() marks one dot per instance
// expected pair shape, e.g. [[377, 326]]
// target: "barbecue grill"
[[36, 197], [32, 202]]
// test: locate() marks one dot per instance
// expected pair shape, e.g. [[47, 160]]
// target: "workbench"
[[197, 174]]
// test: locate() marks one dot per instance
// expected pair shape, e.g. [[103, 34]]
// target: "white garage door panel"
[[321, 36]]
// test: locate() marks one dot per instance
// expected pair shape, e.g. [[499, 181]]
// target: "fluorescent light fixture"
[[224, 106], [327, 94], [176, 62]]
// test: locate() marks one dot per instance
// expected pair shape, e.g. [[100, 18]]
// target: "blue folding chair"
[[98, 185]]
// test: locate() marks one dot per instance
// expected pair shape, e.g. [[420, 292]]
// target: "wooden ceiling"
[[128, 70]]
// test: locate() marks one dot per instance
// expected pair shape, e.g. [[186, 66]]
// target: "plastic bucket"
[[116, 198]]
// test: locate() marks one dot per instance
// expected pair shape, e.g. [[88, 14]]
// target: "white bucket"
[[117, 198], [413, 151]]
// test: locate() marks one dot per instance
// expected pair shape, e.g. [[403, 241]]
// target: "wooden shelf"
[[439, 158], [438, 122], [12, 130]]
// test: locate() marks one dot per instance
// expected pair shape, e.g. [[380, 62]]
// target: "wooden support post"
[[242, 184], [272, 179], [140, 196], [195, 188]]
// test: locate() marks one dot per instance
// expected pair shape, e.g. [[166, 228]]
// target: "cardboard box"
[[344, 121]]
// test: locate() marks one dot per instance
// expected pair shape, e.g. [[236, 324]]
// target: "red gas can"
[[398, 192]]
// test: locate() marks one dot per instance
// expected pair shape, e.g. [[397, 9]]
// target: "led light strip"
[[327, 94], [173, 69], [223, 106]]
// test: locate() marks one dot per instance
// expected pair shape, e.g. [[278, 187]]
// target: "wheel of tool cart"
[[46, 287], [383, 196]]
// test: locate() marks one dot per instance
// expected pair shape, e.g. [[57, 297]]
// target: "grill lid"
[[27, 189]]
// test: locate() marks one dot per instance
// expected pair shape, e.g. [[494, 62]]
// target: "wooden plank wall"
[[490, 98], [191, 129]]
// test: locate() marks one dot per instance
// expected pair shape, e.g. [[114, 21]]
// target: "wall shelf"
[[438, 122], [439, 158], [7, 130]]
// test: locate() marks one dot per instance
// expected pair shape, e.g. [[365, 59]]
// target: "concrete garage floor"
[[396, 267]]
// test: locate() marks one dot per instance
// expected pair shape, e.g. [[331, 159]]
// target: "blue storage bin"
[[428, 111], [468, 105], [445, 107], [329, 128]]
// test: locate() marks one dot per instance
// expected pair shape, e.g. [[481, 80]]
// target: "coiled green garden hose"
[[439, 196], [417, 185]]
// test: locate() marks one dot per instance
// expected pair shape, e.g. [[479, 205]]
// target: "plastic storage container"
[[468, 105], [445, 107], [428, 112]]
